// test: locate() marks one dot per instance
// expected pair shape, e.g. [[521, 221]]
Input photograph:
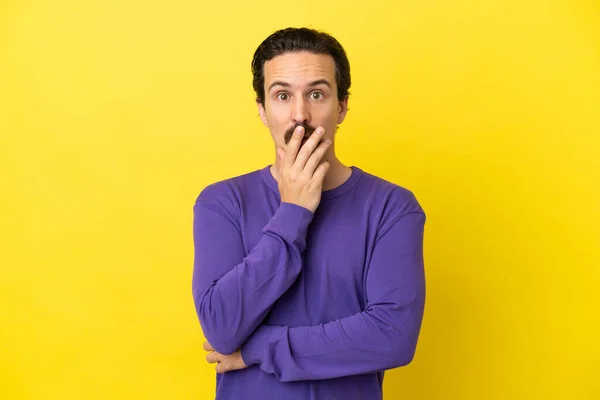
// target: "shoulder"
[[393, 198], [226, 194], [390, 204]]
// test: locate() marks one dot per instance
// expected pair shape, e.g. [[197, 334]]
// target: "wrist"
[[254, 350], [291, 222]]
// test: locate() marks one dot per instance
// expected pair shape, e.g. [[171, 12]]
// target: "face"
[[300, 89]]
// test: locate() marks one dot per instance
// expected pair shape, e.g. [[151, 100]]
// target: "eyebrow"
[[313, 83]]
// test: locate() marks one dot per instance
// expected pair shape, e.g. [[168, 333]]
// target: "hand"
[[301, 172], [225, 363]]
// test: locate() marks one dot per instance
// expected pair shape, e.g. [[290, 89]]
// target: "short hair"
[[291, 40]]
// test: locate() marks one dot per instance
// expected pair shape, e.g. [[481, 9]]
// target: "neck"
[[337, 174]]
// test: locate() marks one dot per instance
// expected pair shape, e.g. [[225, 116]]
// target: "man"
[[308, 274]]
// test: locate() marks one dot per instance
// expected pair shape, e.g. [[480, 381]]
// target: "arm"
[[233, 291], [382, 337]]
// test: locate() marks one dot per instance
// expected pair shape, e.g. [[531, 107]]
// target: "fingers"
[[294, 146], [321, 171], [213, 357], [317, 156], [207, 347], [308, 148]]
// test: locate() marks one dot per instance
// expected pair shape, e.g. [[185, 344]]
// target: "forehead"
[[300, 68]]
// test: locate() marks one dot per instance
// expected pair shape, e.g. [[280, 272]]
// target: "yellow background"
[[114, 114]]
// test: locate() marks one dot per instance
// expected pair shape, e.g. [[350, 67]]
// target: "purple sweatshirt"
[[319, 304]]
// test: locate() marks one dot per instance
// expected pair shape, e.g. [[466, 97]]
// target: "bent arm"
[[383, 336], [233, 292]]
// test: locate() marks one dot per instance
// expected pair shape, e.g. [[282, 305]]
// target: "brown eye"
[[316, 95], [282, 96]]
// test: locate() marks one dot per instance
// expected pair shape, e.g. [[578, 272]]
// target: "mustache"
[[308, 130]]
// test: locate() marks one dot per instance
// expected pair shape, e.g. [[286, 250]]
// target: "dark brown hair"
[[290, 40]]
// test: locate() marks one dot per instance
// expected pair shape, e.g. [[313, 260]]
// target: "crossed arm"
[[233, 297]]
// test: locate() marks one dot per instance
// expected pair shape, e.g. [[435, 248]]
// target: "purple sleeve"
[[233, 291], [382, 337]]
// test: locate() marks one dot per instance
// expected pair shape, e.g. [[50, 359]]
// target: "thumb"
[[280, 154]]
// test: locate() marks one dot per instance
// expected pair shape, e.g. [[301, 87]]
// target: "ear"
[[343, 110], [262, 112]]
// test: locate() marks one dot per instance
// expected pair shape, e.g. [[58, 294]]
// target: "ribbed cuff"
[[291, 222], [256, 347]]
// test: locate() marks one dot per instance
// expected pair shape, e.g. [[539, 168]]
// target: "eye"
[[282, 96], [316, 95]]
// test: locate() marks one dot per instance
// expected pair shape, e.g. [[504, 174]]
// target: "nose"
[[300, 111]]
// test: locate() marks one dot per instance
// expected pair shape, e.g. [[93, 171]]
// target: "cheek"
[[333, 112], [277, 118], [330, 119], [277, 127]]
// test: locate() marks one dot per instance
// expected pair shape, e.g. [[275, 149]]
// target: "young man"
[[308, 274]]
